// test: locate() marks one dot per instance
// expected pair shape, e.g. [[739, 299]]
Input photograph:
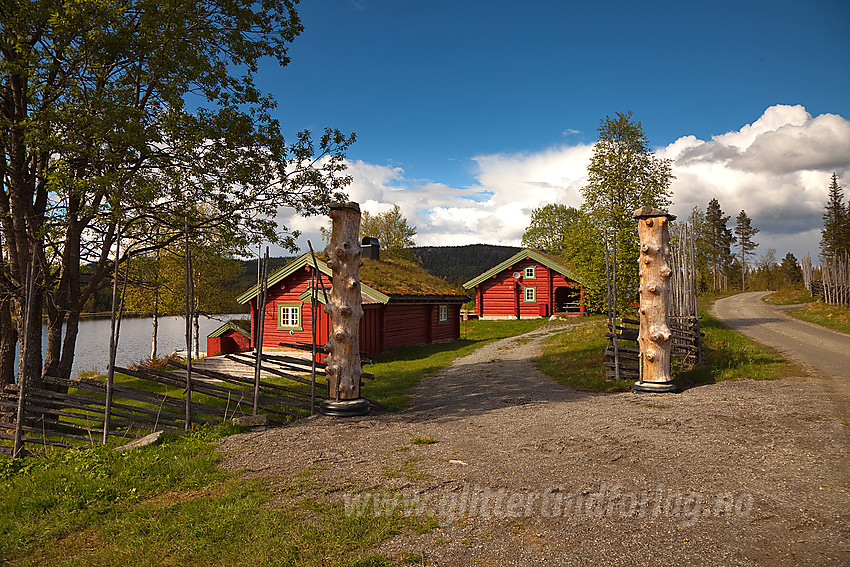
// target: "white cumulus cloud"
[[777, 169]]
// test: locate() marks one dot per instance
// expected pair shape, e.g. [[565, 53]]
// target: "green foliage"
[[459, 264], [718, 240], [551, 229], [744, 231], [835, 235], [392, 231], [125, 117], [624, 175]]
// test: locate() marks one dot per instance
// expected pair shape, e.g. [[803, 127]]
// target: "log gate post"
[[343, 366], [654, 338]]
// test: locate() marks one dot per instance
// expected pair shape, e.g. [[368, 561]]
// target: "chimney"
[[370, 247]]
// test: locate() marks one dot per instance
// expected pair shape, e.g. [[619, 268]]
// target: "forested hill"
[[459, 264]]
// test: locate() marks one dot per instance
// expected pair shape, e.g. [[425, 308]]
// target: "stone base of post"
[[344, 408], [653, 387]]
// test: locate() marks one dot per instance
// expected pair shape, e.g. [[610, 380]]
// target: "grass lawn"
[[171, 504], [574, 358]]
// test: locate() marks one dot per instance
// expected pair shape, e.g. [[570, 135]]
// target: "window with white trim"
[[531, 295], [530, 272], [443, 314], [288, 316]]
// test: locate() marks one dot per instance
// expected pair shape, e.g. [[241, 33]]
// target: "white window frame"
[[292, 320], [530, 295], [442, 314], [530, 273]]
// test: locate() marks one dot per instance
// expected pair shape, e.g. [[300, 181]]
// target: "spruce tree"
[[719, 240], [835, 236], [745, 233]]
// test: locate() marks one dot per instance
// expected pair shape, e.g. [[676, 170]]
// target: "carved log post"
[[343, 365], [654, 268]]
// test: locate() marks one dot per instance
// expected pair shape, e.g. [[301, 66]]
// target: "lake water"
[[134, 342]]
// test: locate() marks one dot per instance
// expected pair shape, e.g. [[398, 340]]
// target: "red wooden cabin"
[[529, 284], [402, 305]]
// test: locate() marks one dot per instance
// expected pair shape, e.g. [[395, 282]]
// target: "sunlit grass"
[[832, 316], [172, 504]]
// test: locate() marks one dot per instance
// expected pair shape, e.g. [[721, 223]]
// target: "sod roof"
[[380, 280]]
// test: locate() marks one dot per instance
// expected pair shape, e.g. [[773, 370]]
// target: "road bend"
[[822, 351]]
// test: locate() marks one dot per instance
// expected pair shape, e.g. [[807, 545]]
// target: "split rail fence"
[[73, 412]]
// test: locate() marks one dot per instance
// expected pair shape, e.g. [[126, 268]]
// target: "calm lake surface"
[[134, 342]]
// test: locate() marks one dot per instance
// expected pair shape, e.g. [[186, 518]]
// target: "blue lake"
[[134, 342]]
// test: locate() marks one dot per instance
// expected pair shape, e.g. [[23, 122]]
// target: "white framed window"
[[289, 316], [443, 314], [530, 295], [530, 273]]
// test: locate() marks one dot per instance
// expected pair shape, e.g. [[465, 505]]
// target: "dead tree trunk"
[[654, 268], [343, 365]]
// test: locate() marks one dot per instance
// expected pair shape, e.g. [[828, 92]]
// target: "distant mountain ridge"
[[459, 264]]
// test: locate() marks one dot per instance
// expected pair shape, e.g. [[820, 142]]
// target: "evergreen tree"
[[719, 240], [624, 175], [835, 236], [791, 271], [745, 233]]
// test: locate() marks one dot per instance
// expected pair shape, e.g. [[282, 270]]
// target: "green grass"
[[172, 504], [574, 358], [790, 296], [820, 313], [397, 372]]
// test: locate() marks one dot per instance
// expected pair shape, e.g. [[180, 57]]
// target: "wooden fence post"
[[655, 273], [343, 366]]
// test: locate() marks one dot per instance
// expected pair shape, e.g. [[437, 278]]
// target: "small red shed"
[[403, 305], [229, 338], [528, 285]]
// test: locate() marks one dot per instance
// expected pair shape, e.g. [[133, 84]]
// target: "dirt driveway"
[[527, 472]]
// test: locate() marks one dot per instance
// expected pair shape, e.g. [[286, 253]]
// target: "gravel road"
[[523, 471], [822, 351]]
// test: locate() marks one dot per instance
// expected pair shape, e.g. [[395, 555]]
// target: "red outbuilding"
[[528, 285], [403, 305], [230, 338]]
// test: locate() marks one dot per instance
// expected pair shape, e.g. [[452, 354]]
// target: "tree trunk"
[[155, 316], [8, 340], [655, 273], [343, 368]]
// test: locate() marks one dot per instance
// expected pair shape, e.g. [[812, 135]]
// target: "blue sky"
[[465, 101]]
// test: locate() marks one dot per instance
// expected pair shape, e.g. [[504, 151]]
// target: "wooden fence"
[[75, 414], [622, 354], [830, 281]]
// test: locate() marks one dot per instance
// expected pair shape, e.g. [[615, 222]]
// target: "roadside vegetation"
[[812, 309], [574, 358], [172, 504]]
